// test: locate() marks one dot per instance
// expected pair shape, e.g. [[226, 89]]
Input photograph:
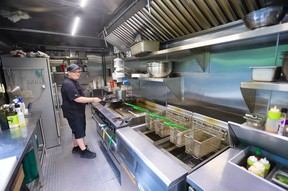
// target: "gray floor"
[[66, 171]]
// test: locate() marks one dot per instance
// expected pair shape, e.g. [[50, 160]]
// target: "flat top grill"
[[121, 115]]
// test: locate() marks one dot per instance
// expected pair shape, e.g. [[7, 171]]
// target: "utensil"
[[265, 17], [159, 69]]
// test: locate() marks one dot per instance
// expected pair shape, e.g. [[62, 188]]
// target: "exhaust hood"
[[166, 20]]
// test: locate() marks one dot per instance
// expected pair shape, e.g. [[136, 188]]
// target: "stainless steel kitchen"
[[179, 95]]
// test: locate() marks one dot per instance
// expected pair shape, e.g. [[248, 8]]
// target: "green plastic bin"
[[29, 165]]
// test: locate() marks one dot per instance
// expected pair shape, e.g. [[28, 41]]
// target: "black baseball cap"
[[72, 67]]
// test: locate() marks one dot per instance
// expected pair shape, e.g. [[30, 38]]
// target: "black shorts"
[[78, 126]]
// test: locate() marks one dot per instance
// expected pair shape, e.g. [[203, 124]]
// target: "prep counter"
[[14, 144], [225, 172]]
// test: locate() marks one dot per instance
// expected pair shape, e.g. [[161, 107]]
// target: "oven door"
[[107, 137], [99, 123]]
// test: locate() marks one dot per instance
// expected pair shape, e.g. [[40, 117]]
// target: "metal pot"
[[159, 69], [264, 17], [121, 94]]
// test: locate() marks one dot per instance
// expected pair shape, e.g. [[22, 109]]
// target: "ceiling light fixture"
[[75, 25], [83, 3]]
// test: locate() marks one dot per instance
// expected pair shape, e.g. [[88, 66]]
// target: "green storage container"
[[30, 165]]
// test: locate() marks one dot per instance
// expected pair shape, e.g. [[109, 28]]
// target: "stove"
[[112, 116]]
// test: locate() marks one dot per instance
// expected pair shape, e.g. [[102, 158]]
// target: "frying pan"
[[114, 103]]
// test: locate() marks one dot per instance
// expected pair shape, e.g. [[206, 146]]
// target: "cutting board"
[[6, 168]]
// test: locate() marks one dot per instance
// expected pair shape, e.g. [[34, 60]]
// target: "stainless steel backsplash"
[[212, 78]]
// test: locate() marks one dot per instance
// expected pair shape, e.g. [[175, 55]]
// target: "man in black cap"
[[73, 108]]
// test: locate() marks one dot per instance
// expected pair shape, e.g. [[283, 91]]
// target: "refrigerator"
[[32, 75]]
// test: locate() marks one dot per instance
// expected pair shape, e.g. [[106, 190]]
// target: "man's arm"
[[87, 99]]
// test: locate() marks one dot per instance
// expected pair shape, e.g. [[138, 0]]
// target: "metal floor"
[[66, 171]]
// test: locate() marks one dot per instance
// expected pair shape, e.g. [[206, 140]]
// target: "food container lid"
[[264, 67]]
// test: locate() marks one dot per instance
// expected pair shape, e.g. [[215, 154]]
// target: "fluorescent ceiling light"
[[75, 25], [83, 3]]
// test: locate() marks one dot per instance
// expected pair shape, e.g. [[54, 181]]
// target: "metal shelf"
[[69, 58], [175, 84], [248, 90], [220, 38], [273, 86]]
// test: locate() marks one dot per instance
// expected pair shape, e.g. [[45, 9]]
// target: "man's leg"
[[81, 143]]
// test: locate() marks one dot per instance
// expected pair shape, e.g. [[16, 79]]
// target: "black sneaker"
[[87, 154], [77, 149]]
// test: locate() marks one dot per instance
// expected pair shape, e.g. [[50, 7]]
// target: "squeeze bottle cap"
[[283, 110], [274, 113], [258, 151]]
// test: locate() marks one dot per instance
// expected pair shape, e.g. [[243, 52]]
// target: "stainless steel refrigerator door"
[[33, 76]]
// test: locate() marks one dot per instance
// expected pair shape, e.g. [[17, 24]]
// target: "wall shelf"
[[248, 90], [69, 58], [219, 38], [175, 84], [273, 86]]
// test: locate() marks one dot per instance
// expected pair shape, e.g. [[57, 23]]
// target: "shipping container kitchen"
[[196, 82]]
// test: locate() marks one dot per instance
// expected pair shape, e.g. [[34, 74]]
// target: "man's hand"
[[96, 100]]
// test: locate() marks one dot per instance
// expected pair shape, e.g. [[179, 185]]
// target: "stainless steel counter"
[[151, 168], [15, 142], [220, 174]]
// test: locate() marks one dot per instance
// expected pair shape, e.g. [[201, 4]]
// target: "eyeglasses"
[[76, 72]]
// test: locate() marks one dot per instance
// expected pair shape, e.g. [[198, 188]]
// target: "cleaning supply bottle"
[[282, 121], [273, 119], [21, 119]]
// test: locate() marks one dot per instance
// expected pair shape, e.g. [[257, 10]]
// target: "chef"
[[74, 102]]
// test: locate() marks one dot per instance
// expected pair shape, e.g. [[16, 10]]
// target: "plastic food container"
[[266, 73], [281, 178]]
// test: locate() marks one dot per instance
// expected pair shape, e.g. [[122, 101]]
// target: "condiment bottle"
[[251, 160], [266, 164], [282, 121], [258, 169], [272, 121]]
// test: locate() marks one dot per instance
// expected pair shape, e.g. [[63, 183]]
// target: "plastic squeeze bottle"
[[266, 164], [273, 119], [282, 121]]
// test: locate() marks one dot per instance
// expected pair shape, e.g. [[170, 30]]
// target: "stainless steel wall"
[[212, 77]]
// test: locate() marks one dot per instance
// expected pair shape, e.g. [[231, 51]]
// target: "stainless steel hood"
[[166, 20]]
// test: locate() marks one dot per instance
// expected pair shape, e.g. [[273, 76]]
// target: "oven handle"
[[111, 142], [98, 121]]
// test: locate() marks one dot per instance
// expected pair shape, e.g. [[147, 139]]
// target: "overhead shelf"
[[69, 58], [248, 90], [221, 38], [273, 86], [175, 84]]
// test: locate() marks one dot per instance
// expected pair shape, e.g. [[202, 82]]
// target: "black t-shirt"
[[71, 90]]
